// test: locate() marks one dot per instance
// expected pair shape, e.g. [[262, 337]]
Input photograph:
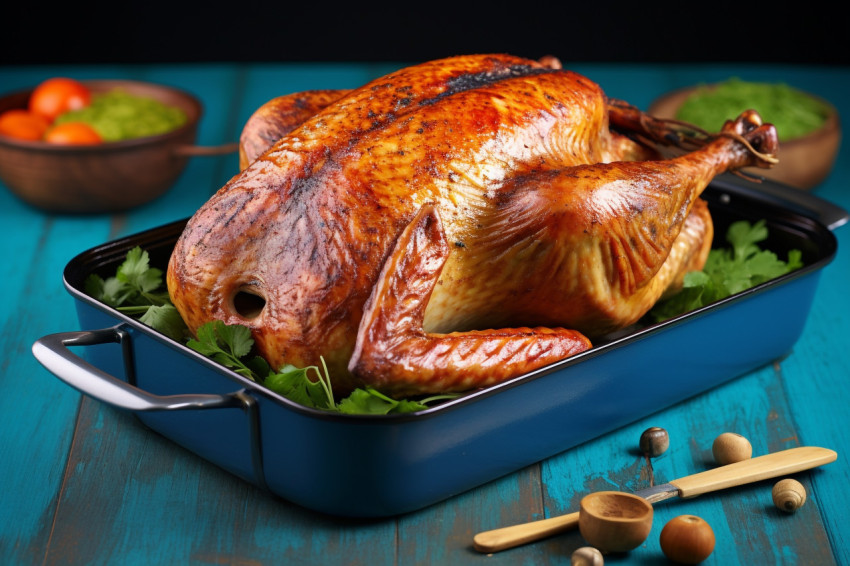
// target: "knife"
[[747, 471]]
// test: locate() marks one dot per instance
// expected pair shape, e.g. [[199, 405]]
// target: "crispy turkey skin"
[[450, 225]]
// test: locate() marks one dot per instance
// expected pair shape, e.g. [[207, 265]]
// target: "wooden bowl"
[[804, 162], [109, 177], [614, 521]]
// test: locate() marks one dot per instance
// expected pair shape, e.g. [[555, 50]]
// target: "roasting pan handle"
[[53, 353], [803, 202]]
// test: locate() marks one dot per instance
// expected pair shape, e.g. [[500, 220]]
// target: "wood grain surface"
[[84, 483]]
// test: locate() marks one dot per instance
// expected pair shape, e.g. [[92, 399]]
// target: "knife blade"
[[755, 469]]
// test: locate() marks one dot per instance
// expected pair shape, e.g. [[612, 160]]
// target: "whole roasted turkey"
[[451, 225]]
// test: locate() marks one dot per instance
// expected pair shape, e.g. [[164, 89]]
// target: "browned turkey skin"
[[450, 225]]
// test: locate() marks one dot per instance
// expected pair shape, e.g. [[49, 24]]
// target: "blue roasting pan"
[[397, 464]]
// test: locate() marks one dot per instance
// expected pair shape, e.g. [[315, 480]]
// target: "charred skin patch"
[[482, 79]]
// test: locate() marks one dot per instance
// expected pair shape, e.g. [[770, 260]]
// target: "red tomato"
[[72, 133], [57, 95], [22, 124]]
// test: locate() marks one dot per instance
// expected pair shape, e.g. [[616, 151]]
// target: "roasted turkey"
[[453, 224]]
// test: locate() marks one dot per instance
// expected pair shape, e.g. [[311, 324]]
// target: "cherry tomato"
[[22, 124], [72, 133], [57, 95]]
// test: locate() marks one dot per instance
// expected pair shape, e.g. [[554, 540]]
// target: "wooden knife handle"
[[764, 467]]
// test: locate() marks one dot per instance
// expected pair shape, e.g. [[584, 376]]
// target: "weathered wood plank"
[[453, 523]]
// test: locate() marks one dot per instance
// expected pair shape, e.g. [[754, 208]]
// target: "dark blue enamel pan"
[[372, 466]]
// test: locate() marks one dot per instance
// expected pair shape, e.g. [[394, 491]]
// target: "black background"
[[151, 32]]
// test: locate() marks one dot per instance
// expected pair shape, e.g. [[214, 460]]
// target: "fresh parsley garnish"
[[728, 271], [137, 290], [166, 319]]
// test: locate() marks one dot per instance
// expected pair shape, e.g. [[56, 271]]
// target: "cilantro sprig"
[[742, 265]]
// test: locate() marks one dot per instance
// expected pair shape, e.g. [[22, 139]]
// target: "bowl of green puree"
[[808, 127]]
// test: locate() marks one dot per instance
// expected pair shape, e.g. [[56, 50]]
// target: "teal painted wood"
[[817, 379], [37, 414], [453, 523], [737, 514], [86, 484]]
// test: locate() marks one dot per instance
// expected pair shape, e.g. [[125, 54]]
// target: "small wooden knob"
[[731, 447], [587, 556], [789, 495], [654, 441]]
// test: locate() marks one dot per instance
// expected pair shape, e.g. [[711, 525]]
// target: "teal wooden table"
[[83, 483]]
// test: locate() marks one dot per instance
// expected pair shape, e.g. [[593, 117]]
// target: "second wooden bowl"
[[804, 162]]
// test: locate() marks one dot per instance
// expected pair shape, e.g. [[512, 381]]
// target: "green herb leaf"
[[135, 283], [237, 338], [744, 237], [295, 384], [166, 319], [137, 272], [697, 291], [258, 366], [226, 344], [368, 401], [136, 290]]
